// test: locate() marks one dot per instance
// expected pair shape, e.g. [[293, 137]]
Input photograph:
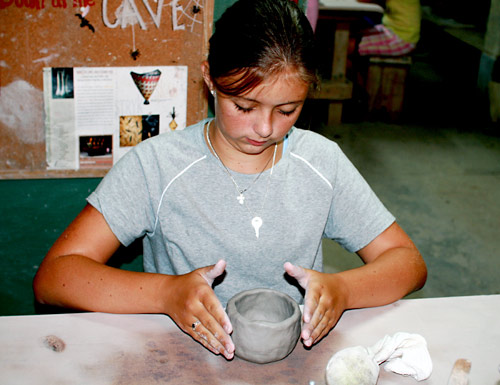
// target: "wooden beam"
[[333, 90], [52, 174]]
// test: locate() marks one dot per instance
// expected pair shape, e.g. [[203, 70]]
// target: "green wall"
[[221, 5], [33, 213]]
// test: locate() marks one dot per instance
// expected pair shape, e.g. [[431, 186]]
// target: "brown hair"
[[255, 39]]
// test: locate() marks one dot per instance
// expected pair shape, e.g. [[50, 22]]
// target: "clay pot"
[[266, 324]]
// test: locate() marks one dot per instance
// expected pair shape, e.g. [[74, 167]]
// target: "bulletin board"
[[36, 34]]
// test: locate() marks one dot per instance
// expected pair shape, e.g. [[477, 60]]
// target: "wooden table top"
[[99, 348]]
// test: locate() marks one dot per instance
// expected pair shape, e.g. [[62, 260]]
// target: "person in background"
[[236, 202], [398, 32]]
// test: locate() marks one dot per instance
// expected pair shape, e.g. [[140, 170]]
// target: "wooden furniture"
[[476, 39], [343, 15], [385, 85], [494, 95], [96, 348]]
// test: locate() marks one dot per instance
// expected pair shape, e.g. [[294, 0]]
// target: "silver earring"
[[213, 93]]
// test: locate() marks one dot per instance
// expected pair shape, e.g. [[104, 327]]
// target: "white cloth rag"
[[404, 354]]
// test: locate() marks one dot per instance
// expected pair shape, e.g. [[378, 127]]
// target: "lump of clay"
[[266, 324], [352, 366]]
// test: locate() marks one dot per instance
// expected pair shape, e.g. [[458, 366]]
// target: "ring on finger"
[[194, 325]]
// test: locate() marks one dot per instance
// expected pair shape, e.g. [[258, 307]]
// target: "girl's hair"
[[255, 39]]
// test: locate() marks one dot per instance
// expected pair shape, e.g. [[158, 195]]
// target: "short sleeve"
[[124, 199], [357, 216]]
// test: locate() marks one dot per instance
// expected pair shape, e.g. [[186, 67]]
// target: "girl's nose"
[[264, 127]]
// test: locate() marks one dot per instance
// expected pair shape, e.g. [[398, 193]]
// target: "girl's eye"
[[287, 113], [242, 109]]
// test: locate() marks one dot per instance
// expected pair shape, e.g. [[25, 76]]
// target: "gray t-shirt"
[[172, 192]]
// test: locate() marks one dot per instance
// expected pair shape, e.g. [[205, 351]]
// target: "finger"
[[328, 325], [199, 334], [323, 320], [209, 273], [297, 272], [216, 322], [311, 301], [303, 277], [317, 328], [322, 329], [312, 331], [221, 320], [212, 335], [212, 306]]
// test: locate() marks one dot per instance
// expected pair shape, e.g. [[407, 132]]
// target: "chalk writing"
[[128, 14]]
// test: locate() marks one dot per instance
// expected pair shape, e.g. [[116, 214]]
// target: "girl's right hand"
[[194, 307]]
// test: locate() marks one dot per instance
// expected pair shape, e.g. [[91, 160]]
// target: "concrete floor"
[[438, 171], [443, 185]]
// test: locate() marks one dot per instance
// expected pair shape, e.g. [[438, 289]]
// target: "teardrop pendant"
[[256, 224]]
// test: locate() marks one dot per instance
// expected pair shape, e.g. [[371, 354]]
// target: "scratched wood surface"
[[47, 33], [93, 348]]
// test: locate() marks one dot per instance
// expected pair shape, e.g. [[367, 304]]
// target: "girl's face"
[[255, 121]]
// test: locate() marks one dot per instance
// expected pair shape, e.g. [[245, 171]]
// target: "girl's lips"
[[255, 142]]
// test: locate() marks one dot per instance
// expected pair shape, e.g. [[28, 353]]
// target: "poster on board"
[[94, 115]]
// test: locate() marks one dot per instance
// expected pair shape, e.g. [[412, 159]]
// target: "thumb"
[[302, 276], [297, 272], [212, 272]]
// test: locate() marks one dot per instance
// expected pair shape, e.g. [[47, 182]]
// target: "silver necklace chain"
[[241, 197], [256, 220]]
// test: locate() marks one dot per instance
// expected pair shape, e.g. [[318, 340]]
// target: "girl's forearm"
[[81, 283], [394, 274]]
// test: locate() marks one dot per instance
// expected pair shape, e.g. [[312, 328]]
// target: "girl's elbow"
[[421, 274], [39, 288]]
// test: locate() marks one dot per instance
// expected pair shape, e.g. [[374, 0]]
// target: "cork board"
[[36, 34]]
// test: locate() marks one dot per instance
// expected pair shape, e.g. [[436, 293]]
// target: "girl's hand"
[[193, 306], [323, 305]]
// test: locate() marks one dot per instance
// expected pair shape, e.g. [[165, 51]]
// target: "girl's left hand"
[[324, 302]]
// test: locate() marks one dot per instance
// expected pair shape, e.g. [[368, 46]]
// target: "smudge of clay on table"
[[174, 358], [54, 343]]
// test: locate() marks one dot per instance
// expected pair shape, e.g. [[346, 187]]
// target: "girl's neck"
[[237, 160]]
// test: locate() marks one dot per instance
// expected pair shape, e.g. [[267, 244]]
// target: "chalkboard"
[[36, 34]]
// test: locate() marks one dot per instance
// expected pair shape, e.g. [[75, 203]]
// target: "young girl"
[[236, 202]]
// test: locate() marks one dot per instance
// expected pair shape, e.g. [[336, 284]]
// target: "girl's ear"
[[205, 70]]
